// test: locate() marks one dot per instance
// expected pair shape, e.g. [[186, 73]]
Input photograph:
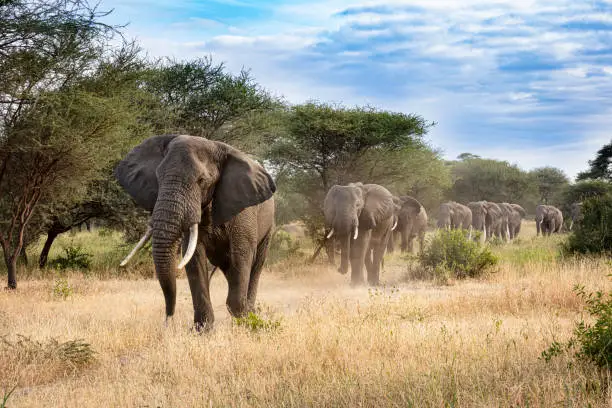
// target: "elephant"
[[360, 216], [487, 217], [411, 223], [512, 218], [575, 213], [218, 201], [454, 216], [517, 220], [548, 219]]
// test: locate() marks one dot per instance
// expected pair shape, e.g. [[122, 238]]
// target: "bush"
[[452, 252], [594, 342], [255, 323], [593, 235], [282, 247], [74, 258]]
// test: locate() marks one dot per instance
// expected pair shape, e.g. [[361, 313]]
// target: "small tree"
[[550, 182], [55, 132]]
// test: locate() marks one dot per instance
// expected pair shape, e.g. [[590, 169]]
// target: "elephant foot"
[[355, 284], [341, 272], [374, 283], [202, 327]]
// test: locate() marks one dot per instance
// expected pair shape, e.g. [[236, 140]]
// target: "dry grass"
[[468, 344]]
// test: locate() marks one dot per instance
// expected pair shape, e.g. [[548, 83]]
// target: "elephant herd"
[[365, 220], [502, 220], [218, 203]]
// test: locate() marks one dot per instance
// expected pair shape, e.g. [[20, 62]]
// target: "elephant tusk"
[[394, 225], [140, 244], [191, 247], [356, 234], [329, 235]]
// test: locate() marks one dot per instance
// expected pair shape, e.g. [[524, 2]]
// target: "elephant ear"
[[378, 205], [243, 183], [136, 172], [411, 203]]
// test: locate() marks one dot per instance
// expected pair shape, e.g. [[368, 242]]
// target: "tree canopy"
[[599, 167]]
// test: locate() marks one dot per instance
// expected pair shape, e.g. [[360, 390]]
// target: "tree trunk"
[[44, 254], [11, 264]]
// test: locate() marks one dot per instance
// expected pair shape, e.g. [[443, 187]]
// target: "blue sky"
[[528, 81]]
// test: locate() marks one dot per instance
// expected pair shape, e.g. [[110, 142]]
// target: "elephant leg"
[[378, 253], [422, 241], [330, 249], [197, 275], [358, 255], [260, 258], [238, 277], [538, 227]]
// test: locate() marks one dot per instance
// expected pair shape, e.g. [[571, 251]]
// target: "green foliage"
[[62, 288], [550, 183], [477, 179], [450, 251], [282, 247], [201, 98], [582, 190], [591, 341], [595, 339], [599, 168], [594, 233], [255, 323], [75, 257]]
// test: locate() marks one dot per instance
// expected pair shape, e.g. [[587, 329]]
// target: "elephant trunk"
[[168, 222], [346, 230]]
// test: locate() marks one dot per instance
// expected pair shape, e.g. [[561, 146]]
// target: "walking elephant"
[[516, 220], [576, 214], [487, 217], [511, 220], [360, 216], [548, 219], [411, 223], [454, 216], [218, 201]]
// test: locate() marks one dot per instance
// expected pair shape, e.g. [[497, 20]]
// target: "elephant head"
[[446, 214], [486, 217], [185, 181], [343, 207]]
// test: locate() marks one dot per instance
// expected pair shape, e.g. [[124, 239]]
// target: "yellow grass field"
[[473, 343]]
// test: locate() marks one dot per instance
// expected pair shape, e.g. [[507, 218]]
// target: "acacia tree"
[[55, 133], [327, 144], [550, 183]]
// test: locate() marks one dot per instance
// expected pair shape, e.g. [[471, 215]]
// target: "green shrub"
[[75, 258], [593, 235], [253, 322], [450, 251], [596, 340], [62, 289], [282, 246], [592, 341]]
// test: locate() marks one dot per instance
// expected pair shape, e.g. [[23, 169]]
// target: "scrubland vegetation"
[[314, 340]]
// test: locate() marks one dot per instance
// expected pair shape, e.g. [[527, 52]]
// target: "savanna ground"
[[472, 343]]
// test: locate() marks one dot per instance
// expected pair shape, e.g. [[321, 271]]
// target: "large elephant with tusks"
[[213, 198], [361, 217], [548, 219]]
